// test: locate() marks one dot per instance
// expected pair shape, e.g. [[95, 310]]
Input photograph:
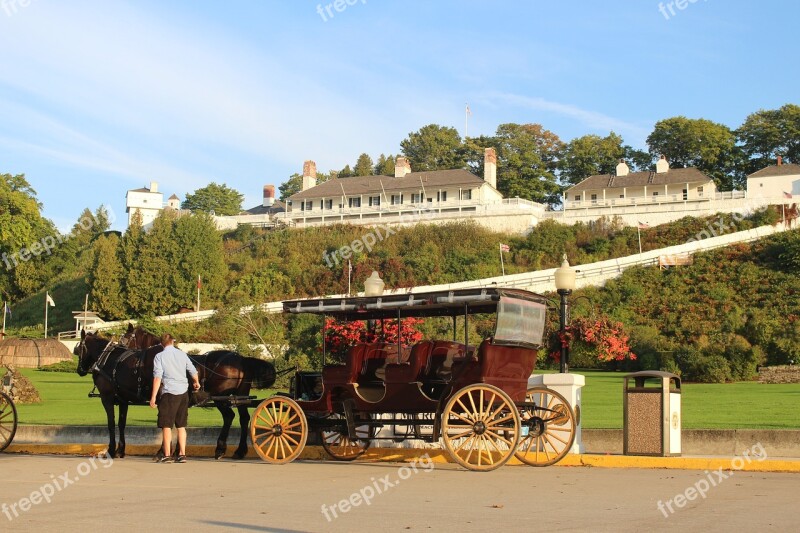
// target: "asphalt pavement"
[[69, 493]]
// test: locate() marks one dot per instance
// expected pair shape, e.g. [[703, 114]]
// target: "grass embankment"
[[705, 406]]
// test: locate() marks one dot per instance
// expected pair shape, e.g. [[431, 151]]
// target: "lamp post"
[[373, 286], [565, 284]]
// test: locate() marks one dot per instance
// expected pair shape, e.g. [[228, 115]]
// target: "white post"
[[197, 307], [568, 385], [349, 273], [46, 305], [5, 312], [639, 233], [502, 265]]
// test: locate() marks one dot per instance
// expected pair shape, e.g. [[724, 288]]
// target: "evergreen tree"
[[363, 166], [106, 277], [198, 244]]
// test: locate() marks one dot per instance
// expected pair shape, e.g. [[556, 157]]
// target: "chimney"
[[780, 160], [269, 196], [309, 175], [622, 168], [401, 167], [153, 186], [662, 166], [490, 167]]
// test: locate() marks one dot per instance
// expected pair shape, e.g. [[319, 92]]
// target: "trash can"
[[651, 405]]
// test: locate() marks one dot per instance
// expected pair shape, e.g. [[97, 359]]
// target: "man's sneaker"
[[165, 460], [181, 459]]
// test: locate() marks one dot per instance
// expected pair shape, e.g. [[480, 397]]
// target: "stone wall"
[[779, 374]]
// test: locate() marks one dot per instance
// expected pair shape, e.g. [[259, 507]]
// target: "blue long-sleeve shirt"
[[171, 365]]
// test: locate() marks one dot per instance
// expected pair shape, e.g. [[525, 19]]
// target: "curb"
[[401, 455]]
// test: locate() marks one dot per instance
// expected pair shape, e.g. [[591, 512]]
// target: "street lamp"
[[565, 284], [373, 286]]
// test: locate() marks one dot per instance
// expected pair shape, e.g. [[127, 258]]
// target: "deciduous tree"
[[220, 199]]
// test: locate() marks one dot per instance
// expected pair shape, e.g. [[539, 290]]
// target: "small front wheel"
[[548, 428], [337, 442], [279, 430]]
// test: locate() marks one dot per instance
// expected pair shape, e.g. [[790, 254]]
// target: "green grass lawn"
[[713, 406], [65, 401]]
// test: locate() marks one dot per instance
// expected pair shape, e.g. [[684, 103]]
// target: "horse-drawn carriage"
[[475, 399]]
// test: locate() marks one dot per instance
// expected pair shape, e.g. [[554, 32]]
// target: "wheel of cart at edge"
[[550, 428], [480, 427], [278, 430], [8, 421], [340, 446]]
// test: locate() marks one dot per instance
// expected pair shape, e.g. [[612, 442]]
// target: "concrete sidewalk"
[[438, 456]]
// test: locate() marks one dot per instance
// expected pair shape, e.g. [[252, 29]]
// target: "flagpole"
[[639, 233], [502, 265], [197, 308], [349, 273], [85, 310], [5, 312], [46, 305]]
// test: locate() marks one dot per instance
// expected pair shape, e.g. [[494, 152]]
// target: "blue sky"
[[98, 97]]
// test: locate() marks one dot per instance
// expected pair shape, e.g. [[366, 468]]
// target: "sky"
[[99, 97]]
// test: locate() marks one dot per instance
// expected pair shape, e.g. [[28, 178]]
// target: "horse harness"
[[101, 367]]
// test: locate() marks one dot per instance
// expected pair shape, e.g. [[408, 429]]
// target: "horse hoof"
[[239, 456], [218, 457]]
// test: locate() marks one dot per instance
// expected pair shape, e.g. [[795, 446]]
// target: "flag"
[[49, 300], [199, 282], [504, 247], [468, 110], [643, 225], [787, 194], [6, 308]]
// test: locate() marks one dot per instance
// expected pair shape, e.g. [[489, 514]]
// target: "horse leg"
[[244, 423], [123, 420], [227, 420], [108, 405]]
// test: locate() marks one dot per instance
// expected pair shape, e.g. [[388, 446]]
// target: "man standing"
[[170, 367]]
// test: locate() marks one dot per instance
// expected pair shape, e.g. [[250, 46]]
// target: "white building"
[[410, 197], [774, 181], [149, 202]]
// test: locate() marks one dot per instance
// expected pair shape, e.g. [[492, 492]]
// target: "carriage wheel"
[[550, 428], [338, 443], [278, 430], [8, 421], [480, 427]]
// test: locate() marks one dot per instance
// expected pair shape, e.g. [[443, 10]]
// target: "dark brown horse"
[[221, 373]]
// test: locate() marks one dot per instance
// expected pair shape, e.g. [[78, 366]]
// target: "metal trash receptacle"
[[651, 414]]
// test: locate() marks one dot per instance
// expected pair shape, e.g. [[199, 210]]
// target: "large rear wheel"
[[8, 421], [337, 442], [480, 427], [548, 430], [279, 430]]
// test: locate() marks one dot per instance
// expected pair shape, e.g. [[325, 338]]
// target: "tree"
[[766, 134], [291, 186], [701, 143], [590, 155], [220, 199], [637, 160], [364, 166], [346, 172], [106, 278], [199, 252], [527, 156], [433, 147], [385, 165], [150, 281], [23, 235]]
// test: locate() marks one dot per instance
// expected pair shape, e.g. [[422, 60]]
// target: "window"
[[397, 199], [466, 195], [354, 202], [416, 198], [374, 201], [622, 196], [441, 196], [309, 205], [655, 196], [594, 199], [685, 194], [700, 192], [577, 197], [328, 204]]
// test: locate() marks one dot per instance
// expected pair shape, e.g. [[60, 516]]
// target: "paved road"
[[135, 494]]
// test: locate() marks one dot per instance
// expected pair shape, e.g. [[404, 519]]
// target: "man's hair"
[[166, 338]]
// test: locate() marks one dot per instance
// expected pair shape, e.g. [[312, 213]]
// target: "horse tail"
[[260, 373]]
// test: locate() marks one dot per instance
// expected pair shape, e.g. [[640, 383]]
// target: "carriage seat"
[[443, 356], [375, 360], [409, 371], [349, 371]]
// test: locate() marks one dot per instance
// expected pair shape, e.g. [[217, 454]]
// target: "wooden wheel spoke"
[[465, 420], [290, 439], [462, 435], [500, 437], [474, 410], [464, 407], [495, 423], [556, 437]]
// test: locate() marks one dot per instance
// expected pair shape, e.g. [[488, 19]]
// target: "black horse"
[[123, 374]]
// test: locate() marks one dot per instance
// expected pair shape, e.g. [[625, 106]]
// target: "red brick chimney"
[[780, 160], [309, 175]]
